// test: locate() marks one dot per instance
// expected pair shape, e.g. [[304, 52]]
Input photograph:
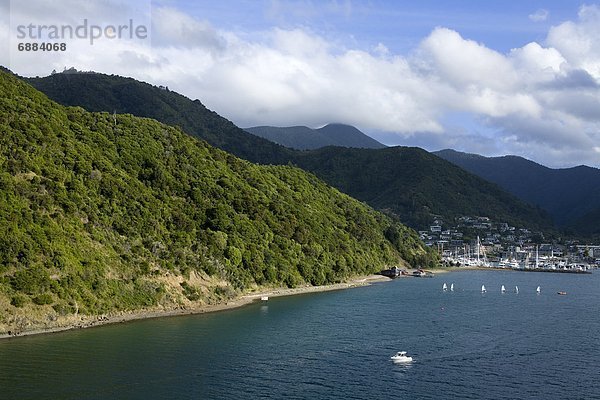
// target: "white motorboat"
[[401, 357], [452, 287], [444, 287], [483, 289]]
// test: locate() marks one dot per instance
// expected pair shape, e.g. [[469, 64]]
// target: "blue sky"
[[494, 78], [401, 25]]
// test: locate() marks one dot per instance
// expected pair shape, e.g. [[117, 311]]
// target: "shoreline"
[[85, 322]]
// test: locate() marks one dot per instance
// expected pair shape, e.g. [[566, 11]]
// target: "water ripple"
[[337, 345]]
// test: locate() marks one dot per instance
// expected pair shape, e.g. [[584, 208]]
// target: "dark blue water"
[[337, 345]]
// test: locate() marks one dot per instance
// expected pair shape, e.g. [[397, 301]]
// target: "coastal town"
[[481, 241]]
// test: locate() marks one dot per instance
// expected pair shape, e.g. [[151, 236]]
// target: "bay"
[[337, 345]]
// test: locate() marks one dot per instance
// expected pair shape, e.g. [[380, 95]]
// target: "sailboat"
[[503, 289], [538, 290], [516, 289], [483, 289], [445, 287], [452, 287]]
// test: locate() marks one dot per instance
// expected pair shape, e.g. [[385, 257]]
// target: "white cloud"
[[578, 41], [4, 33], [462, 62], [540, 15], [534, 59], [80, 17], [540, 100], [174, 28]]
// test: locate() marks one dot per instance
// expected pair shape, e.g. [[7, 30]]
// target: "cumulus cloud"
[[577, 41], [463, 62], [540, 100], [44, 16]]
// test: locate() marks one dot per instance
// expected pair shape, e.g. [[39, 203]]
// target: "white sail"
[[445, 287], [503, 289], [483, 289], [452, 287], [516, 289], [538, 290]]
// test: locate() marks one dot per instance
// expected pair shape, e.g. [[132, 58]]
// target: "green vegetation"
[[587, 226], [414, 184], [103, 212], [407, 183], [571, 196], [111, 93]]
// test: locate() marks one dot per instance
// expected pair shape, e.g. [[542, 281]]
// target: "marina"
[[526, 261]]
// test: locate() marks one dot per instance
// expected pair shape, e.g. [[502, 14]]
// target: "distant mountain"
[[571, 195], [305, 138], [407, 182], [414, 184]]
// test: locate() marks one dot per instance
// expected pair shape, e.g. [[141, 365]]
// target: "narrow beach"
[[85, 321]]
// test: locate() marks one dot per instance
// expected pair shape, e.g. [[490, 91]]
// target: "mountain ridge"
[[414, 184], [104, 212], [567, 194], [305, 138], [112, 93], [195, 119]]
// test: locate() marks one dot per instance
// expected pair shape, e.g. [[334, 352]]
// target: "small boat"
[[562, 293], [452, 287], [401, 357], [503, 289], [264, 298], [516, 289], [445, 287], [538, 290], [483, 289]]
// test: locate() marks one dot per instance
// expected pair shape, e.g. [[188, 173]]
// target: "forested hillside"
[[402, 180], [570, 195], [102, 212], [111, 93], [414, 184]]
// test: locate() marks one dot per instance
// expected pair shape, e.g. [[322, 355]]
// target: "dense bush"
[[18, 300], [409, 182], [42, 299], [94, 208]]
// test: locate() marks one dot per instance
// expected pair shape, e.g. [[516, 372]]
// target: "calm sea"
[[337, 345]]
